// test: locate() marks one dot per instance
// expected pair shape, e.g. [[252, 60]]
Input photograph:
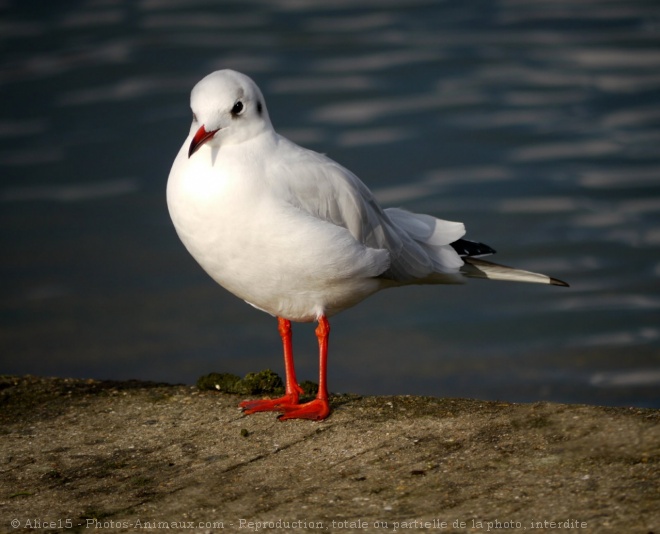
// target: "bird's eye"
[[237, 109]]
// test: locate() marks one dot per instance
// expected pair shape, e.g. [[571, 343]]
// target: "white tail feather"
[[426, 229]]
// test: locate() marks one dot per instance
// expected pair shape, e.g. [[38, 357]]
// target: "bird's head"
[[228, 108]]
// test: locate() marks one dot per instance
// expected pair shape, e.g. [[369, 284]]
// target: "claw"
[[317, 410], [269, 405]]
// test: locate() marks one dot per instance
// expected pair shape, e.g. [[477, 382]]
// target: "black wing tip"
[[557, 282], [471, 249]]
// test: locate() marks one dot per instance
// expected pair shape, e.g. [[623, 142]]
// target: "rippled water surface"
[[535, 123]]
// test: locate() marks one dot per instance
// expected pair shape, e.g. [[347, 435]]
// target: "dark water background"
[[535, 123]]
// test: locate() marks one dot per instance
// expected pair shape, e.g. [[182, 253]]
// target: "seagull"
[[295, 234]]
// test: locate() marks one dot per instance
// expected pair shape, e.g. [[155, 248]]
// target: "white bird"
[[295, 234]]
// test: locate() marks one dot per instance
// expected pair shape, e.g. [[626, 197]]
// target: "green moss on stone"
[[263, 382]]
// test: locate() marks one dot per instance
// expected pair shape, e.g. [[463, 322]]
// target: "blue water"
[[535, 123]]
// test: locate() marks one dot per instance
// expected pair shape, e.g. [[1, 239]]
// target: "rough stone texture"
[[130, 456]]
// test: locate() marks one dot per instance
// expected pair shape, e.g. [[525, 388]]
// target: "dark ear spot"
[[260, 108]]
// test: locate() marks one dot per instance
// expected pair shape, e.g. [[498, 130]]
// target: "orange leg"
[[319, 408], [292, 391]]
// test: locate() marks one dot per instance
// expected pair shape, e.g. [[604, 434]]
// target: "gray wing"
[[418, 244]]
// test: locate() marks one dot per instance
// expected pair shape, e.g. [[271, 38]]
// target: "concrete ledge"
[[129, 456]]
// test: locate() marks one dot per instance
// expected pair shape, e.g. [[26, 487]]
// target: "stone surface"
[[81, 456]]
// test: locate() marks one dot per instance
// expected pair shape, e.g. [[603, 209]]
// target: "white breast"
[[258, 246]]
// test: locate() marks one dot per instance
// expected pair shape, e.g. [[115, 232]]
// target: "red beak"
[[201, 137]]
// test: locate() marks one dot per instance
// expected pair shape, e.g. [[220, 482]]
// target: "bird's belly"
[[272, 261]]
